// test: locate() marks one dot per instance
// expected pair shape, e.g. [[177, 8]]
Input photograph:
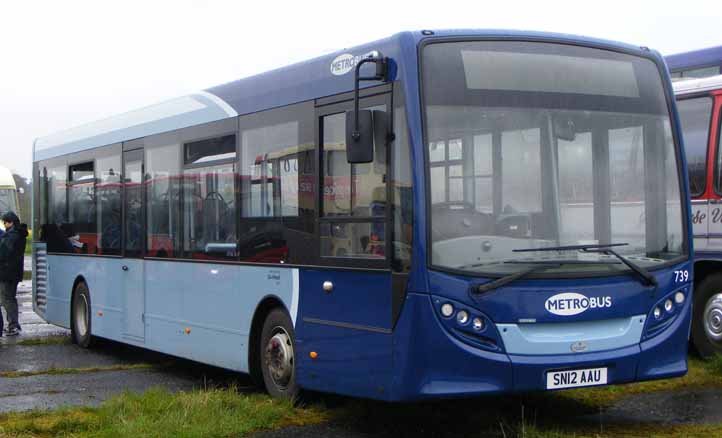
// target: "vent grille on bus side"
[[40, 278]]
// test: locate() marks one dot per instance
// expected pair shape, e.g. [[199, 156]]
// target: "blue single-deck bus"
[[700, 63], [435, 214]]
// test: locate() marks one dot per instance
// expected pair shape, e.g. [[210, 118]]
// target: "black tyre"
[[80, 322], [707, 316], [277, 355]]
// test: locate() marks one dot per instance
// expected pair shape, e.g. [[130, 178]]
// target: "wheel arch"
[[79, 279], [264, 307], [705, 267]]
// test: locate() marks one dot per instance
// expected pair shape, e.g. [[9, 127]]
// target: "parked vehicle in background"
[[506, 211], [695, 64], [698, 104], [8, 193]]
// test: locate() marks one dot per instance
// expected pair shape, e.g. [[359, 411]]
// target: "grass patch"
[[58, 371], [701, 374], [158, 413], [47, 340], [543, 415]]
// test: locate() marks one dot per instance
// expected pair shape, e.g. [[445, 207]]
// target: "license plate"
[[576, 378]]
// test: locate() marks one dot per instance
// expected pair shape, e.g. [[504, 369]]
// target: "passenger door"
[[133, 246], [347, 302]]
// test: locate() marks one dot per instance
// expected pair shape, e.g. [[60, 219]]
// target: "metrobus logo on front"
[[570, 303]]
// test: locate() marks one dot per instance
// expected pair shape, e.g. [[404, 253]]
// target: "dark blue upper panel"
[[314, 78], [320, 77], [696, 58]]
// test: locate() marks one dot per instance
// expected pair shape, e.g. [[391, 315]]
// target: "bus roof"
[[6, 178], [696, 58], [320, 77], [692, 86]]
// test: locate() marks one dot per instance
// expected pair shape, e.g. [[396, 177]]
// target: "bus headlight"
[[447, 310], [668, 305], [679, 297], [467, 324], [665, 312]]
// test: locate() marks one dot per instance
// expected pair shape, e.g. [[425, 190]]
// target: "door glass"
[[351, 189], [133, 184], [354, 196]]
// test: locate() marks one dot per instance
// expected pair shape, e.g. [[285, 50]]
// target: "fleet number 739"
[[681, 276]]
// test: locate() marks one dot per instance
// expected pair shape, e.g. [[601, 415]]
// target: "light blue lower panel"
[[199, 311], [204, 311], [577, 337]]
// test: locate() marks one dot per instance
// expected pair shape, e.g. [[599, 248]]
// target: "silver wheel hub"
[[279, 357], [81, 315], [713, 318]]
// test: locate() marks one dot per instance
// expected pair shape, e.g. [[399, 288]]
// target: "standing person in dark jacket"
[[12, 255]]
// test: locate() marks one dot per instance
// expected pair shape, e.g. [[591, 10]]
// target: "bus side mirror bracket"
[[360, 123]]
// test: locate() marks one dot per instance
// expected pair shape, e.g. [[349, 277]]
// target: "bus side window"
[[209, 198], [277, 178]]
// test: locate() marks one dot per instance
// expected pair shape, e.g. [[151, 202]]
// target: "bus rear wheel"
[[707, 316], [278, 360], [80, 317]]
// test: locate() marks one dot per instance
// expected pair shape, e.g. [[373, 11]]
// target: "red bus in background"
[[699, 102]]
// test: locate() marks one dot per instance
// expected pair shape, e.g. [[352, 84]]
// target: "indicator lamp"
[[657, 312], [462, 317], [478, 324]]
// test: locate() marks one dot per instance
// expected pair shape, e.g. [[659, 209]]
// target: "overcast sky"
[[65, 63]]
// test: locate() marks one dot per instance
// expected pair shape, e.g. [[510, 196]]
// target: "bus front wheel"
[[707, 316], [80, 318], [278, 360]]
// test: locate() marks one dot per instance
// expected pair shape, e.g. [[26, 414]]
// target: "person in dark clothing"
[[12, 254]]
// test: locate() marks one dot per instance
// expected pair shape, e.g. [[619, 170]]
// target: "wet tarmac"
[[54, 386]]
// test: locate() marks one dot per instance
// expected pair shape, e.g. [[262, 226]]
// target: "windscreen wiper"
[[570, 247], [537, 265], [486, 287], [644, 275]]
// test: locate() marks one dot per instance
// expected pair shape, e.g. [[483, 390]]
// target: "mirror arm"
[[381, 75]]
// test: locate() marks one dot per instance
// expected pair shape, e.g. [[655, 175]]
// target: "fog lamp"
[[478, 324]]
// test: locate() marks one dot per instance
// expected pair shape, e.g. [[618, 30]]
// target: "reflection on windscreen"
[[519, 168]]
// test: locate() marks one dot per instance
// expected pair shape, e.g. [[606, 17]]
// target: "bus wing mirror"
[[381, 133], [359, 142]]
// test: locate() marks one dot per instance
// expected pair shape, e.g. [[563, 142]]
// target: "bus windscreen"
[[534, 145]]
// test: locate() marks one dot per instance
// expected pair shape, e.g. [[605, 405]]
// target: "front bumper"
[[429, 362]]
